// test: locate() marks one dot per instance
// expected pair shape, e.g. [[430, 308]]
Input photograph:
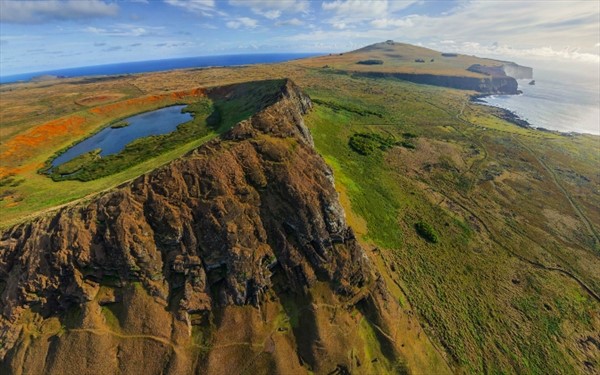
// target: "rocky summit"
[[234, 258]]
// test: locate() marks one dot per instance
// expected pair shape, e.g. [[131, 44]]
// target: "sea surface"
[[557, 101], [160, 65], [112, 140]]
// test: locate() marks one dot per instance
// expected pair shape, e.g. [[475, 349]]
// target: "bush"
[[370, 62], [426, 231], [367, 143]]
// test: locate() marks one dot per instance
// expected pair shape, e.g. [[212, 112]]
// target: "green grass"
[[461, 287], [76, 164]]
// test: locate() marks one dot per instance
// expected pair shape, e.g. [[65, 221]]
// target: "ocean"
[[557, 101], [160, 65]]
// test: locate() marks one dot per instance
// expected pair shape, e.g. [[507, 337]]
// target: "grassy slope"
[[492, 311], [400, 58], [515, 210]]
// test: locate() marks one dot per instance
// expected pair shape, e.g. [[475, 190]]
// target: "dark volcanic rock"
[[206, 231], [488, 85]]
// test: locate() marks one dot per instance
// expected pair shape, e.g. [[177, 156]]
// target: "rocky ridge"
[[251, 219]]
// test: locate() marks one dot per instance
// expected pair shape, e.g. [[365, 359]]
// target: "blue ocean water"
[[557, 101], [160, 65], [112, 140]]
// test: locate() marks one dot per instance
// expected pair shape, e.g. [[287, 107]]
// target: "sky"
[[42, 35]]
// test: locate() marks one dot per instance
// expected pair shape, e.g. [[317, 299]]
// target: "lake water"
[[113, 140], [557, 101]]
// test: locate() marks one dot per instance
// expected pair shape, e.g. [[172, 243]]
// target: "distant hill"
[[424, 65]]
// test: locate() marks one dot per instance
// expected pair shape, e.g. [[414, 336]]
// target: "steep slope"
[[233, 259]]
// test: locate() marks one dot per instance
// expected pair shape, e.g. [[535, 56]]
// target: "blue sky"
[[40, 35]]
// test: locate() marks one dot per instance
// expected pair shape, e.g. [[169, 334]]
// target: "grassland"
[[399, 58], [512, 283], [497, 289]]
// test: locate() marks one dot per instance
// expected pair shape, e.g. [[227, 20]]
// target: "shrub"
[[426, 231], [370, 62], [367, 143], [362, 145], [407, 145]]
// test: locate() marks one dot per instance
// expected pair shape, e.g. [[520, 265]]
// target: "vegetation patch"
[[370, 62], [10, 181], [426, 231], [120, 124], [77, 163], [346, 107], [365, 143]]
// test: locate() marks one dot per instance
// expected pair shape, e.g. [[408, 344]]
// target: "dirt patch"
[[136, 102], [94, 100]]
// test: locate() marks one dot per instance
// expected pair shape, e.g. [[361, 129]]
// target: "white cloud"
[[357, 9], [499, 50], [383, 23], [236, 23], [273, 9], [339, 25], [379, 13], [549, 30], [47, 10], [203, 7], [272, 14], [123, 30], [290, 22]]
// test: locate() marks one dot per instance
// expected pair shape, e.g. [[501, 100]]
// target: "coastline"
[[560, 103], [515, 119], [504, 113]]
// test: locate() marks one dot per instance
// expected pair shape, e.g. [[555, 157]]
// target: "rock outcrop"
[[216, 262], [486, 85], [517, 71]]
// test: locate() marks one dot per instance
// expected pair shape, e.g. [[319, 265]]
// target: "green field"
[[491, 288]]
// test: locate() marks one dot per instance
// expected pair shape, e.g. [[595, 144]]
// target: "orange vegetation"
[[27, 144]]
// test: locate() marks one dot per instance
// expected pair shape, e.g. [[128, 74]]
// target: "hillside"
[[329, 222], [422, 65]]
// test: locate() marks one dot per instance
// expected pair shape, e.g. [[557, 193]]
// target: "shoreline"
[[515, 119], [505, 114]]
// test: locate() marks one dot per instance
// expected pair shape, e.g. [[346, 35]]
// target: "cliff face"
[[487, 85], [213, 263], [517, 71]]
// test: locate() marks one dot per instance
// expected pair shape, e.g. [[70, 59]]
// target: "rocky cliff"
[[486, 85], [235, 258], [517, 71]]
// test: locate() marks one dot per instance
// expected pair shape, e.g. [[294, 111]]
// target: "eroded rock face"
[[209, 230], [488, 85]]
